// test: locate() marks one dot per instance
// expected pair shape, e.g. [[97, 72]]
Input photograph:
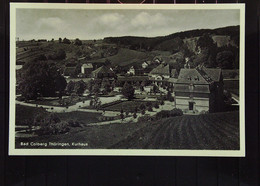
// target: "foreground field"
[[211, 131]]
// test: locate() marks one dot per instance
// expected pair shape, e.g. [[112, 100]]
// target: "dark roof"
[[161, 69], [196, 88], [102, 69], [213, 73], [199, 76], [132, 78]]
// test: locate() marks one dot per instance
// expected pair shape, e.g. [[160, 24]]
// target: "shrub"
[[54, 128], [50, 124], [166, 114], [162, 102], [156, 105], [142, 107], [143, 112], [150, 108]]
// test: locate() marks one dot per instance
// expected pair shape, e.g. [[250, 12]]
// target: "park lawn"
[[127, 106], [25, 114], [56, 102]]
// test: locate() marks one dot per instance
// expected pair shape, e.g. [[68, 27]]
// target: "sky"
[[97, 24]]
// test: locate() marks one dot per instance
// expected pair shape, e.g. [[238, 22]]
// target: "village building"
[[199, 90], [133, 80], [146, 64], [86, 69], [131, 71], [163, 75], [103, 72]]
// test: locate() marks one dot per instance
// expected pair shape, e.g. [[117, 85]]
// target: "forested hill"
[[150, 43]]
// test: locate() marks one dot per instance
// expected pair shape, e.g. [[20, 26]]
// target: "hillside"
[[212, 48], [158, 42], [209, 131], [126, 57]]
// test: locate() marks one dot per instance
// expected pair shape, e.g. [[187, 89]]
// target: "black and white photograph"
[[162, 80]]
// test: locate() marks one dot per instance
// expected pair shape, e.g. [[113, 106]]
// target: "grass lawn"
[[127, 106], [25, 114]]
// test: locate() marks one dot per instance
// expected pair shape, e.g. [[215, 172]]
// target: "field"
[[212, 131], [209, 131]]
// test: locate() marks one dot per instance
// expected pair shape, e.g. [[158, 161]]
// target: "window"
[[191, 105]]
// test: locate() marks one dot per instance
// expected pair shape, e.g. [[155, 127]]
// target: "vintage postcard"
[[137, 80]]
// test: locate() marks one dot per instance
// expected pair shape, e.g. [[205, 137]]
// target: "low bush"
[[54, 128], [150, 108], [171, 113], [51, 124], [156, 105]]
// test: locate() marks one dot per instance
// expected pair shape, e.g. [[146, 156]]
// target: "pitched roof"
[[213, 73], [102, 69], [196, 88], [199, 76], [161, 70]]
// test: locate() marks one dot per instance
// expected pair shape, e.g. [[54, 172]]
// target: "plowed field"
[[209, 131]]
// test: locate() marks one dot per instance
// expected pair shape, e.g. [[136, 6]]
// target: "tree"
[[155, 89], [142, 107], [58, 55], [122, 114], [61, 84], [95, 102], [96, 89], [80, 87], [128, 91], [135, 115], [41, 78], [106, 86], [225, 59], [78, 42], [66, 41]]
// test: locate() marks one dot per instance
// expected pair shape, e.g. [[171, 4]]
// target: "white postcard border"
[[123, 152]]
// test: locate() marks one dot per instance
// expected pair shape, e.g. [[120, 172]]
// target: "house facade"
[[163, 75], [199, 90], [86, 69]]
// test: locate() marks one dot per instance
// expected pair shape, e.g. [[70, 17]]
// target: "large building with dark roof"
[[103, 72], [199, 90]]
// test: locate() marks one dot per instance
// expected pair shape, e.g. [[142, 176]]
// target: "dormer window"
[[196, 78]]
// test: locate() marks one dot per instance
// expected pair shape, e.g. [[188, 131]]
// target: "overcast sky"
[[97, 24]]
